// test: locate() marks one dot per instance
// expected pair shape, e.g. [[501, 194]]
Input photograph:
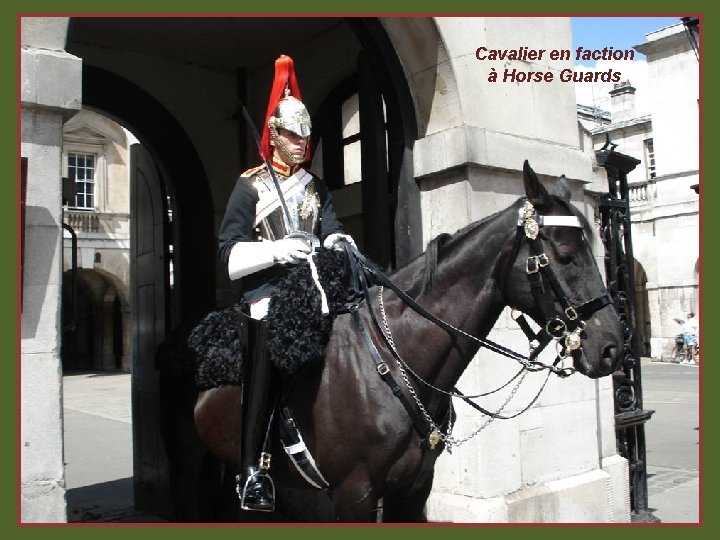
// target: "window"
[[81, 169], [351, 140], [649, 159]]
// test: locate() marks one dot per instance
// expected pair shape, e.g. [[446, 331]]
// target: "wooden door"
[[149, 291]]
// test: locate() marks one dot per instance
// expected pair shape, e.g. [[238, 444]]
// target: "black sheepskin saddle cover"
[[298, 331], [218, 348]]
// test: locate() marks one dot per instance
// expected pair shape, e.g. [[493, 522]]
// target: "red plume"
[[284, 78]]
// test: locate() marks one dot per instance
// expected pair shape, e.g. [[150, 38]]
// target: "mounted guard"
[[277, 215]]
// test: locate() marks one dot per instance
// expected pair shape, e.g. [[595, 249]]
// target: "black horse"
[[362, 437]]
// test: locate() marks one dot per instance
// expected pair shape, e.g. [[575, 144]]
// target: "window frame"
[[85, 182], [87, 145], [650, 167]]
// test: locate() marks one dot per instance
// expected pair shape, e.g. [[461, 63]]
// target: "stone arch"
[[181, 171], [96, 322], [185, 160], [421, 49]]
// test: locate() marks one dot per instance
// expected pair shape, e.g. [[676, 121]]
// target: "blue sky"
[[615, 32], [620, 33]]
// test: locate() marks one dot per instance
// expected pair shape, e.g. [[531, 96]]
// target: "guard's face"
[[294, 144]]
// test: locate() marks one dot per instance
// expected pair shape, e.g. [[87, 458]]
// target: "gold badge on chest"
[[310, 202]]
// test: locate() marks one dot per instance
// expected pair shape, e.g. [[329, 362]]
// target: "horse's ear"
[[535, 191], [561, 189]]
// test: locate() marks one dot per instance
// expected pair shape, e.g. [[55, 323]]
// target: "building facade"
[[664, 194], [96, 247]]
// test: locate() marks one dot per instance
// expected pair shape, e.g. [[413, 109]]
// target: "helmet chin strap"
[[285, 154]]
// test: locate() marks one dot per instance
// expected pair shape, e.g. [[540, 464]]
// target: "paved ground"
[[98, 448], [98, 445], [672, 436]]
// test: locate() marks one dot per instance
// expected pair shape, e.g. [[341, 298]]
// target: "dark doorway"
[[163, 121]]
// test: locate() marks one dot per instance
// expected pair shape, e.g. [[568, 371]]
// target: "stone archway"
[[96, 325], [430, 74]]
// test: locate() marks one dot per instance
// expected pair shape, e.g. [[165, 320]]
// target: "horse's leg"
[[407, 506], [354, 501], [218, 421], [185, 450], [217, 496]]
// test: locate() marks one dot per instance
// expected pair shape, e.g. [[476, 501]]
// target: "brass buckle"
[[264, 461], [532, 266], [543, 260], [383, 369], [571, 314]]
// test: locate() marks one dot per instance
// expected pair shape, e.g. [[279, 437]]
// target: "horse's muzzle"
[[608, 361]]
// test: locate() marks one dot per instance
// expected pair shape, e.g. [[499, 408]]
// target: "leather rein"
[[564, 326]]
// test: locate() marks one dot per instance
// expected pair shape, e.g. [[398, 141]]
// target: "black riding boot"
[[255, 487]]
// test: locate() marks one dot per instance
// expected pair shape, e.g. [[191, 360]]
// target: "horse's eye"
[[565, 258], [564, 252]]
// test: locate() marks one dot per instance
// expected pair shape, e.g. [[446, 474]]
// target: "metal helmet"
[[292, 115], [285, 110]]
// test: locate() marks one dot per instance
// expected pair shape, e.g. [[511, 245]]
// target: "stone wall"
[[45, 106]]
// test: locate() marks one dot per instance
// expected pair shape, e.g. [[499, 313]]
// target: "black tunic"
[[238, 225]]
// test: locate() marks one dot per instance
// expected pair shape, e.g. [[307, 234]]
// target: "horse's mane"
[[433, 253], [431, 260]]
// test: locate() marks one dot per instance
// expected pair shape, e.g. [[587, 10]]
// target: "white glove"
[[249, 257], [335, 240], [290, 250]]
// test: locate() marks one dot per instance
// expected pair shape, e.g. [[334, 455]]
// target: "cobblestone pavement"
[[660, 479]]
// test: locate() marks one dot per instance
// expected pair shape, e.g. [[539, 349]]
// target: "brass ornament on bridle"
[[573, 340], [530, 225]]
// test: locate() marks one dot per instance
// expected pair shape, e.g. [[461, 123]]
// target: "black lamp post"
[[630, 416]]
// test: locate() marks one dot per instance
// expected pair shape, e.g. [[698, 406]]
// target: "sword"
[[276, 182]]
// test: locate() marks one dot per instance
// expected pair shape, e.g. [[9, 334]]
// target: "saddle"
[[298, 331]]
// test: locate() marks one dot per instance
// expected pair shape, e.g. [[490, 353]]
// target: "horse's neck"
[[464, 292], [465, 288]]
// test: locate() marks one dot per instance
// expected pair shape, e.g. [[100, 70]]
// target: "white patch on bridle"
[[549, 221], [559, 221]]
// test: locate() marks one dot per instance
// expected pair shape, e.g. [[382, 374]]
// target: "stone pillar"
[[51, 89]]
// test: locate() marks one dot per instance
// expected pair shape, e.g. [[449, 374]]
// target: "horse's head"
[[555, 280]]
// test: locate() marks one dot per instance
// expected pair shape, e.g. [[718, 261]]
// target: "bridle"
[[565, 326]]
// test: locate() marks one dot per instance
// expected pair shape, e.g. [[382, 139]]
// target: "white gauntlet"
[[291, 250], [249, 257], [335, 240]]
